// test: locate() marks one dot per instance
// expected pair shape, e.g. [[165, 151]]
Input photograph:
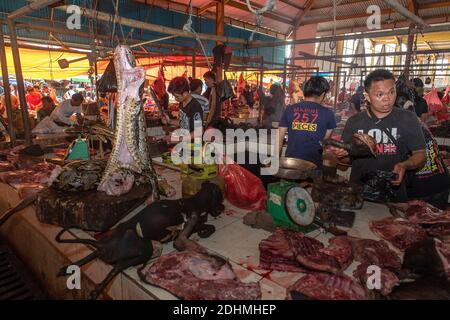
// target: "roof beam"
[[270, 15], [405, 12], [293, 4], [103, 16], [182, 7], [32, 6], [365, 35], [301, 15], [205, 7]]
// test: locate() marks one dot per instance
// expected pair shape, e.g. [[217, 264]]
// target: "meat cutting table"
[[34, 243]]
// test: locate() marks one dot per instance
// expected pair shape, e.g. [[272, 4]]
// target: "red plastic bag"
[[242, 188], [435, 105]]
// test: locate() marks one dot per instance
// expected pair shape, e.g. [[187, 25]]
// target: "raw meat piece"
[[421, 212], [197, 276], [400, 232], [439, 230], [287, 250], [341, 249], [375, 253], [443, 249], [278, 251], [323, 286], [387, 282]]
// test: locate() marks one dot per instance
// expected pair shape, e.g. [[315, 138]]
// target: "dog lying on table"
[[137, 240]]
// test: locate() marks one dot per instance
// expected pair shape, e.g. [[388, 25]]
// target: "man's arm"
[[281, 133], [416, 161], [328, 134]]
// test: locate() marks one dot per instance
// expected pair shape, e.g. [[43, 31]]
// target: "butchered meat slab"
[[324, 286], [399, 232], [385, 284], [197, 276], [421, 212], [375, 252], [287, 250]]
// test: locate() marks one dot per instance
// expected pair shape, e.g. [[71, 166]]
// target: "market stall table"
[[35, 244]]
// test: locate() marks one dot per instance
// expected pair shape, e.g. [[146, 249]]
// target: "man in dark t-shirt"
[[307, 123], [406, 153], [191, 112]]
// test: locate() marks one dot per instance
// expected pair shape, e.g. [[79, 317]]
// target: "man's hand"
[[400, 170], [338, 152]]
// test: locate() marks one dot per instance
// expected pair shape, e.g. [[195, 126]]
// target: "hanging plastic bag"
[[108, 81], [224, 89], [242, 188], [435, 105], [377, 186], [446, 98]]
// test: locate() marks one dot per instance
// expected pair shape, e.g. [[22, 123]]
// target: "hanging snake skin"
[[129, 163]]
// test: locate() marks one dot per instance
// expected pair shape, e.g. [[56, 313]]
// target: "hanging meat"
[[129, 163]]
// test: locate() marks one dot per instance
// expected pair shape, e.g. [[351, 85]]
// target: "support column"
[[409, 50], [220, 29], [20, 81], [6, 87], [194, 65]]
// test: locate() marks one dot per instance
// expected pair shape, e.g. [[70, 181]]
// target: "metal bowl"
[[297, 164]]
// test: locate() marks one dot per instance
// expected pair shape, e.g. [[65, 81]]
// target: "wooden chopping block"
[[87, 210]]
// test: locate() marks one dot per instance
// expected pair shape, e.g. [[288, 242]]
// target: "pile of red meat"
[[27, 174], [421, 220], [287, 250]]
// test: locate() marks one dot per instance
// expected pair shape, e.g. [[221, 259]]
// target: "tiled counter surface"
[[233, 240]]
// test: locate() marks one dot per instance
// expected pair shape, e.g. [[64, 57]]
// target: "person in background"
[[342, 95], [33, 99], [273, 105], [307, 123], [49, 92], [67, 108], [13, 89], [48, 106], [68, 95], [399, 137], [191, 112], [14, 104], [432, 182], [88, 94], [215, 105], [357, 98], [196, 87], [248, 94], [102, 100], [420, 104]]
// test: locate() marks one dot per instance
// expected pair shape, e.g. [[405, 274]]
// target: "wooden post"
[[284, 74], [194, 65], [20, 81], [220, 30], [409, 50], [6, 87]]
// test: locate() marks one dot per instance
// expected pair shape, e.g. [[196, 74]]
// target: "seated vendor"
[[48, 106], [307, 123], [62, 114], [191, 112]]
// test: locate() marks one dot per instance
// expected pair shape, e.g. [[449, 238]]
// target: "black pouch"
[[108, 81]]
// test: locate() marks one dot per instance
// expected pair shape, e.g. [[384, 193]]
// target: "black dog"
[[138, 240]]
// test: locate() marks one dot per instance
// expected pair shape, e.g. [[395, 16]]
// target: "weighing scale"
[[290, 206]]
